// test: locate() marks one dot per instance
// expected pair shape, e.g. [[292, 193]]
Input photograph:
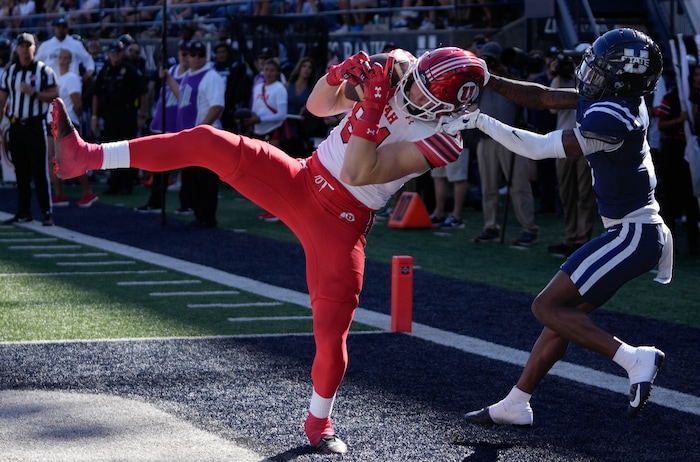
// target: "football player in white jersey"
[[329, 199], [617, 71]]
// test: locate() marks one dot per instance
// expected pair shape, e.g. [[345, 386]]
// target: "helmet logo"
[[468, 93], [636, 64]]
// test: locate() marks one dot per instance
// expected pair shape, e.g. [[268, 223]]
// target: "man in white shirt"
[[48, 51]]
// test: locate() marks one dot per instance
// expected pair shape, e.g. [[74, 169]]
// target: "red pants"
[[330, 223]]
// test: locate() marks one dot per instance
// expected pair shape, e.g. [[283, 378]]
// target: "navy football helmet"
[[620, 63]]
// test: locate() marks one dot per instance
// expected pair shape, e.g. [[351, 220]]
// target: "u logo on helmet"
[[468, 93]]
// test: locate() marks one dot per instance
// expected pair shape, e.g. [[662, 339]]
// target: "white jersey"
[[68, 84], [48, 53], [394, 126]]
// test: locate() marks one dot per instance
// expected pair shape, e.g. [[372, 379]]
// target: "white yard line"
[[82, 273], [69, 255], [95, 263], [271, 318], [232, 305], [198, 294], [159, 283], [662, 396]]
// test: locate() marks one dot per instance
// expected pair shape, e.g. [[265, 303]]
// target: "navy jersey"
[[623, 177]]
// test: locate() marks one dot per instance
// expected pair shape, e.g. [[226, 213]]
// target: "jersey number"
[[382, 133]]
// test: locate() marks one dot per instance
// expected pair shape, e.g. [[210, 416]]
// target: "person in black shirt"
[[25, 91], [120, 101]]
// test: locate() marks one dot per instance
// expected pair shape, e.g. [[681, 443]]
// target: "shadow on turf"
[[483, 452], [292, 453]]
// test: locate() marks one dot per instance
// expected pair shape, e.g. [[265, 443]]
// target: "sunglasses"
[[198, 55]]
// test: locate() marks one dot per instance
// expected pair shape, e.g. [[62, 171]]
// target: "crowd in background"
[[145, 18], [488, 169]]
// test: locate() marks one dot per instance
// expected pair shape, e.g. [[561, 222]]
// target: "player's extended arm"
[[557, 143], [533, 95], [328, 96]]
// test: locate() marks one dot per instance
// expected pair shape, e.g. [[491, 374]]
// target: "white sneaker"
[[503, 412], [642, 375]]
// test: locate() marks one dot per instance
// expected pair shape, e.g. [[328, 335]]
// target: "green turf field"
[[56, 305]]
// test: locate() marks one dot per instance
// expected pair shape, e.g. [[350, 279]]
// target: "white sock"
[[116, 155], [321, 407], [517, 396], [625, 356]]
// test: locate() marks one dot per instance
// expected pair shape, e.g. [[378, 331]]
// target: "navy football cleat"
[[651, 359]]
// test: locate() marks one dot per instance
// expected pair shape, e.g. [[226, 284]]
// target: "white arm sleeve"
[[523, 142]]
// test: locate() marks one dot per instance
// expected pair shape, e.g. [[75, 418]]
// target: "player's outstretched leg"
[[508, 411], [322, 436], [74, 157], [642, 375]]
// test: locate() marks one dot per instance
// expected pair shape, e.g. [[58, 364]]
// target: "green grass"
[[42, 300], [454, 254]]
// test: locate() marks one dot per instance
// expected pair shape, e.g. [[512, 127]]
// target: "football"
[[401, 63]]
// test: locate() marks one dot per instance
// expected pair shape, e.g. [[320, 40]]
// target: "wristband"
[[367, 125]]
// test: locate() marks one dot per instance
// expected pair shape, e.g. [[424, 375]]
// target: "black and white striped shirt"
[[20, 105]]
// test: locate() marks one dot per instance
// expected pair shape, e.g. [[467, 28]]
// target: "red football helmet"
[[449, 80]]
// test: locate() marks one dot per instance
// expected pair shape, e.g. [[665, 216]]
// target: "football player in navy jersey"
[[616, 72]]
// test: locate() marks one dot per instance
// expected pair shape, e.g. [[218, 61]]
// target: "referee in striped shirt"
[[26, 89]]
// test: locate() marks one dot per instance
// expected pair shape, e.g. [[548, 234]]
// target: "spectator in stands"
[[573, 174], [301, 82], [23, 12], [261, 8], [70, 91], [675, 183], [139, 11], [456, 174], [356, 21], [94, 48], [478, 42], [268, 112], [165, 121], [6, 7], [132, 52], [201, 102], [178, 12], [5, 54], [120, 102], [269, 109], [496, 161], [541, 69], [239, 84], [223, 59], [48, 51], [265, 54]]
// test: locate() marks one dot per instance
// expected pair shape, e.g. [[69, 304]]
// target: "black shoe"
[[148, 209], [184, 211], [332, 445], [520, 416], [17, 219], [480, 417], [47, 220], [488, 235]]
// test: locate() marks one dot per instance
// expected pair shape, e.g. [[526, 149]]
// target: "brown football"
[[401, 63]]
